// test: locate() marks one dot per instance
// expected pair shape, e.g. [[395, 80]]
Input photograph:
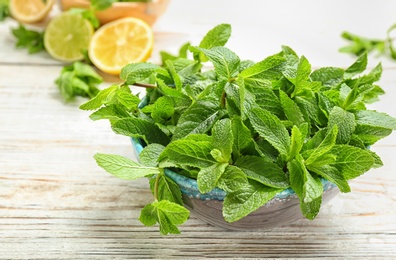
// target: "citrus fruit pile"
[[67, 35]]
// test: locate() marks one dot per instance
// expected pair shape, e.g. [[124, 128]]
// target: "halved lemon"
[[30, 11], [118, 43], [67, 35]]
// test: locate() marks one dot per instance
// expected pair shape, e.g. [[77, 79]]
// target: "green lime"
[[66, 36]]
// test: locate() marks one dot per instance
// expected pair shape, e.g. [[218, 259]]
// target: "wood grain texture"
[[56, 203]]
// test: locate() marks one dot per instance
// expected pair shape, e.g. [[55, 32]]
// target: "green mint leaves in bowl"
[[251, 131]]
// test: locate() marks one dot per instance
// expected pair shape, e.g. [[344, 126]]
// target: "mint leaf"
[[167, 189], [150, 154], [266, 99], [111, 112], [373, 76], [297, 141], [255, 75], [218, 36], [177, 80], [263, 171], [375, 119], [122, 167], [136, 72], [163, 110], [32, 40], [208, 177], [232, 179], [223, 138], [345, 122], [244, 201], [103, 97], [167, 214], [187, 152], [127, 99], [140, 128], [357, 67], [325, 146], [371, 134], [303, 72], [291, 109], [308, 188], [242, 136], [358, 45], [198, 118], [351, 161], [328, 76], [78, 79], [271, 128], [332, 174], [225, 62]]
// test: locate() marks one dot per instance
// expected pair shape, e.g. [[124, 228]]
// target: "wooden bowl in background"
[[148, 12]]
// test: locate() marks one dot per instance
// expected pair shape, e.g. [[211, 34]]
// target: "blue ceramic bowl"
[[283, 209]]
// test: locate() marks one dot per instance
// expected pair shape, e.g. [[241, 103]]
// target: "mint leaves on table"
[[30, 39], [78, 79], [251, 129], [360, 44]]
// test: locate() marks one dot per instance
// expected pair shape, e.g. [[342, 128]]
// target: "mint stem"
[[157, 184], [144, 85]]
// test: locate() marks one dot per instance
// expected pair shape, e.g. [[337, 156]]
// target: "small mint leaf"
[[242, 136], [140, 128], [111, 112], [328, 76], [223, 138], [345, 122], [167, 214], [225, 62], [297, 141], [375, 119], [169, 190], [218, 36], [332, 174], [255, 75], [136, 72], [150, 154], [188, 152], [357, 67], [291, 109], [123, 168], [208, 177], [244, 201], [103, 97], [270, 128], [232, 179], [351, 161], [198, 118], [325, 146], [263, 171]]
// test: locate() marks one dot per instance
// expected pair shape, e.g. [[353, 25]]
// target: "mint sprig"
[[78, 79], [361, 44], [251, 129], [29, 39]]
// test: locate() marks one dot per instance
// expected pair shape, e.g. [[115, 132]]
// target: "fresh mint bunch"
[[251, 129], [78, 79], [359, 44]]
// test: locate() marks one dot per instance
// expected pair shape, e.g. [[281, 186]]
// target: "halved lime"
[[66, 36]]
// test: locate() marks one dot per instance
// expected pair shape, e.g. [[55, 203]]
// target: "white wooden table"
[[56, 203]]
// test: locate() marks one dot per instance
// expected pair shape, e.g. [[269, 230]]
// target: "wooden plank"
[[56, 203]]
